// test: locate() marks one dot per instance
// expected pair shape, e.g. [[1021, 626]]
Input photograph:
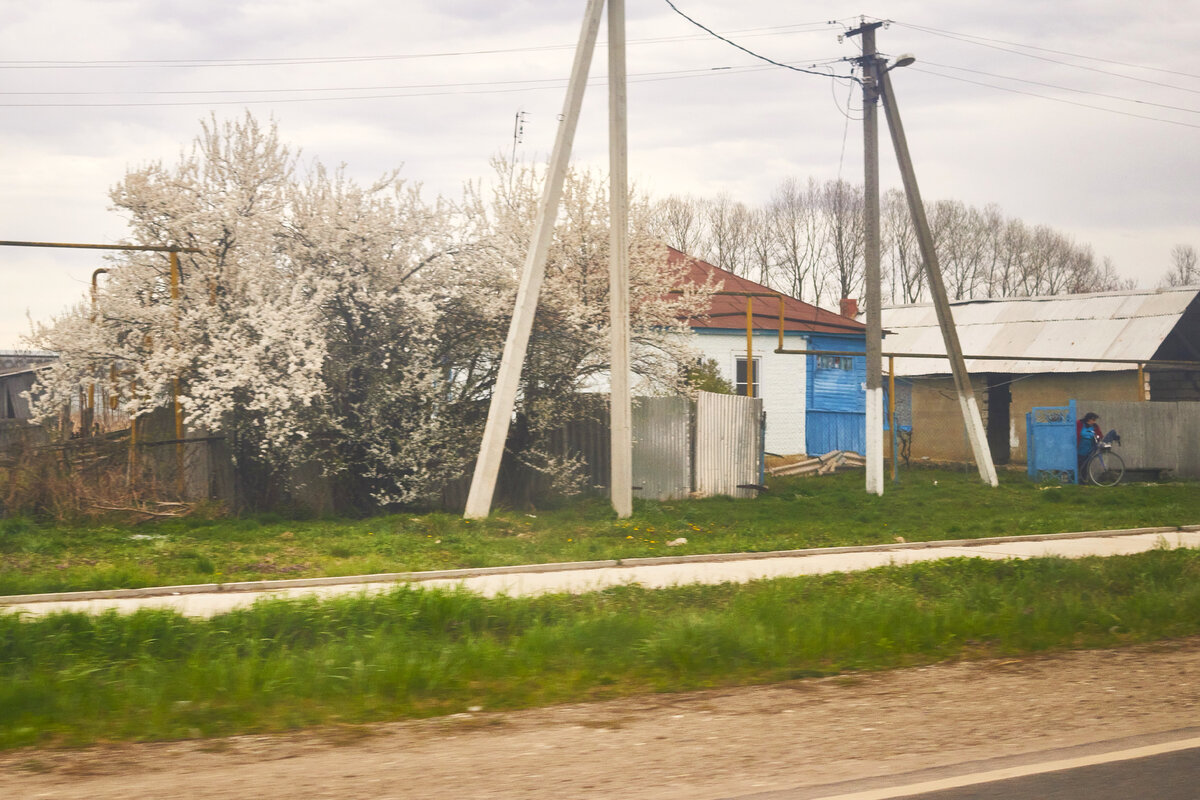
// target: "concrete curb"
[[563, 566]]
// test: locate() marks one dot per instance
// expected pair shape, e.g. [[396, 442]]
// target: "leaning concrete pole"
[[958, 366], [618, 279], [504, 396]]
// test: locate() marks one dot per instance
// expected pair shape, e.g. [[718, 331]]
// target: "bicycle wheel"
[[1105, 469]]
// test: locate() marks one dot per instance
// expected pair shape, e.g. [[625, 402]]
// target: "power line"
[[1055, 99], [553, 81], [953, 34], [1064, 88], [760, 57], [451, 89], [974, 40], [188, 63]]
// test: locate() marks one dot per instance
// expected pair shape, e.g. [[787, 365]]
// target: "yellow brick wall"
[[937, 421]]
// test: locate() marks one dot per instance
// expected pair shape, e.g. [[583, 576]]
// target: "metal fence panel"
[[1154, 435], [662, 445], [728, 443], [1050, 437]]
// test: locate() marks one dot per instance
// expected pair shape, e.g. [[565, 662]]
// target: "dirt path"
[[697, 745]]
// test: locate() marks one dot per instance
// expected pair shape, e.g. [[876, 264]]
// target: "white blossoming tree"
[[568, 356], [357, 328]]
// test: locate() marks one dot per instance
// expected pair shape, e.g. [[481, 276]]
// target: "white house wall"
[[780, 378]]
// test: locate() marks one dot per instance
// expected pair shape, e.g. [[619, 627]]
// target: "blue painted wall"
[[837, 397]]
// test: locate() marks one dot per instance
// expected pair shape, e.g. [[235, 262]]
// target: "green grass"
[[72, 679], [795, 513]]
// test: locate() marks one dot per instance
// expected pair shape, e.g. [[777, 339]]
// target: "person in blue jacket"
[[1087, 432]]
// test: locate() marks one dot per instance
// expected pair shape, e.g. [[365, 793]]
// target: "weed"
[[282, 664], [797, 513]]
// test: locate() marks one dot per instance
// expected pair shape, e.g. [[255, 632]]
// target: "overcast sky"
[[1081, 116]]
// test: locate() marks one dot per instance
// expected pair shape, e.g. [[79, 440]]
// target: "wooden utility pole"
[[871, 277], [972, 420], [504, 396]]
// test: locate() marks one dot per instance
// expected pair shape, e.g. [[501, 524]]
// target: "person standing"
[[1087, 433]]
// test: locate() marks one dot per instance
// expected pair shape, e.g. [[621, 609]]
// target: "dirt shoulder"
[[707, 744]]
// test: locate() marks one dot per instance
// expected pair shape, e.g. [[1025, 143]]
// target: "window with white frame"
[[740, 372]]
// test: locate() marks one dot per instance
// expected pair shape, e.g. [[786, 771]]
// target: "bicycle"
[[1103, 467]]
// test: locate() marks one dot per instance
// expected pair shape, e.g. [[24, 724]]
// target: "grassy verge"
[[795, 513], [72, 679]]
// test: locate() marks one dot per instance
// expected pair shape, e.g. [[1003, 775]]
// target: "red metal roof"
[[729, 311]]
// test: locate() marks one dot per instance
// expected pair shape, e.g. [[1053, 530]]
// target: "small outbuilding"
[[18, 371], [1125, 332]]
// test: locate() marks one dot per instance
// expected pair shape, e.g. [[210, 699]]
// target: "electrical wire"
[[1065, 88], [555, 82], [189, 63], [1055, 99], [838, 103], [759, 56], [845, 134], [452, 89], [964, 38]]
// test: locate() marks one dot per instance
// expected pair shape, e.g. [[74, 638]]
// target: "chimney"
[[849, 307]]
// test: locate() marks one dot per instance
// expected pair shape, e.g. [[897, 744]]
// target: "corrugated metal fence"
[[1154, 435], [729, 444], [720, 434], [662, 447], [709, 446]]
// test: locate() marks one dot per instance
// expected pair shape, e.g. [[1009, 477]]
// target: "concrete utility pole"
[[504, 396], [621, 404], [972, 420], [874, 410], [491, 451]]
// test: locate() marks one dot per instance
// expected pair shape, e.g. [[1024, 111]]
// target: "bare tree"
[[963, 250], [676, 222], [842, 205], [799, 232], [808, 241], [902, 253], [762, 247], [728, 225], [1184, 270], [999, 236], [1107, 279]]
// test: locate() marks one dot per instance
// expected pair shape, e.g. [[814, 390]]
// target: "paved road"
[[1160, 767], [207, 600], [1170, 776]]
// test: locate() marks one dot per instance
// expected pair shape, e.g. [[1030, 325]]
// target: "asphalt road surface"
[[1162, 767], [1169, 776]]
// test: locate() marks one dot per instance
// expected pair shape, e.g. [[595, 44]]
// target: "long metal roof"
[[1107, 325]]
